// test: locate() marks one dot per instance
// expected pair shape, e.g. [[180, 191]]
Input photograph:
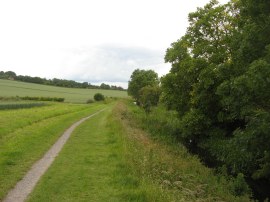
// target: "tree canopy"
[[219, 83], [99, 97], [140, 79]]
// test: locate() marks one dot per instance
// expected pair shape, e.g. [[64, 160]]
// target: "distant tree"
[[2, 75], [105, 86], [55, 81], [149, 96], [99, 97], [85, 85], [10, 75], [140, 79]]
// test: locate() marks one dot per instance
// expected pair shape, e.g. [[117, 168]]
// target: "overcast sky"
[[90, 40]]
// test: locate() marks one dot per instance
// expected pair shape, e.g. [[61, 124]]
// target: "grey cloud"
[[111, 63]]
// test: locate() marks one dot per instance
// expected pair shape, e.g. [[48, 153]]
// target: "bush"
[[89, 101], [53, 99], [20, 105], [148, 97], [239, 186], [99, 97]]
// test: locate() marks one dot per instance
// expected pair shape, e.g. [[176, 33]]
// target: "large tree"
[[140, 79], [219, 84]]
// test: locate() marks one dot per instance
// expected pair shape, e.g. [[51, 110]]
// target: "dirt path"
[[24, 187]]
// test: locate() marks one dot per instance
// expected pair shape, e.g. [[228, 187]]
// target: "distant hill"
[[56, 82], [9, 88]]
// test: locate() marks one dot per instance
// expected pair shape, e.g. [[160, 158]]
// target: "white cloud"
[[110, 63], [89, 40]]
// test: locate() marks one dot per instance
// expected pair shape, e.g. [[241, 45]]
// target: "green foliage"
[[240, 186], [8, 75], [149, 96], [140, 79], [219, 85], [163, 127], [99, 97], [20, 105], [89, 101], [53, 99]]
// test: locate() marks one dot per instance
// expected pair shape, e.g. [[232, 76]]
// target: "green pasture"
[[26, 134], [91, 167], [15, 88], [109, 158]]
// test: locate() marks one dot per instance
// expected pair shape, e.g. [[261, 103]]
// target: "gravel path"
[[24, 187]]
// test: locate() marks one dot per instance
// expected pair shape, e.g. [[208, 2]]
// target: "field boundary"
[[25, 186]]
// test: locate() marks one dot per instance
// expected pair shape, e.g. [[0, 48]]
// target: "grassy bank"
[[26, 134], [110, 158], [74, 95], [166, 163]]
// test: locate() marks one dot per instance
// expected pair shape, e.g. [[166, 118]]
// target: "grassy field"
[[122, 154], [14, 88], [96, 171], [117, 161], [26, 134]]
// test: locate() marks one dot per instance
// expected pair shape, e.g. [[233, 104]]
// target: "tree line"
[[219, 84], [56, 82]]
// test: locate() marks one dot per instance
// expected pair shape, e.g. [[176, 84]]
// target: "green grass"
[[26, 134], [12, 120], [97, 171], [163, 159], [4, 106], [15, 88], [109, 158]]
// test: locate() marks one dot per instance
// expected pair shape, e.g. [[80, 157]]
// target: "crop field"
[[73, 95], [26, 134]]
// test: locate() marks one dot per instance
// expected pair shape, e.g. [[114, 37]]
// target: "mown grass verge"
[[93, 166], [110, 158], [26, 134], [12, 120]]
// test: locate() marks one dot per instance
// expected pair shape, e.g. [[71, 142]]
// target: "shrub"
[[89, 101], [239, 186], [99, 97], [54, 99], [20, 105], [148, 97]]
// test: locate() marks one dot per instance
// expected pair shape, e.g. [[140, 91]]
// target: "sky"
[[90, 40]]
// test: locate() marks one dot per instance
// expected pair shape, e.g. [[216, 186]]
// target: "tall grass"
[[162, 159]]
